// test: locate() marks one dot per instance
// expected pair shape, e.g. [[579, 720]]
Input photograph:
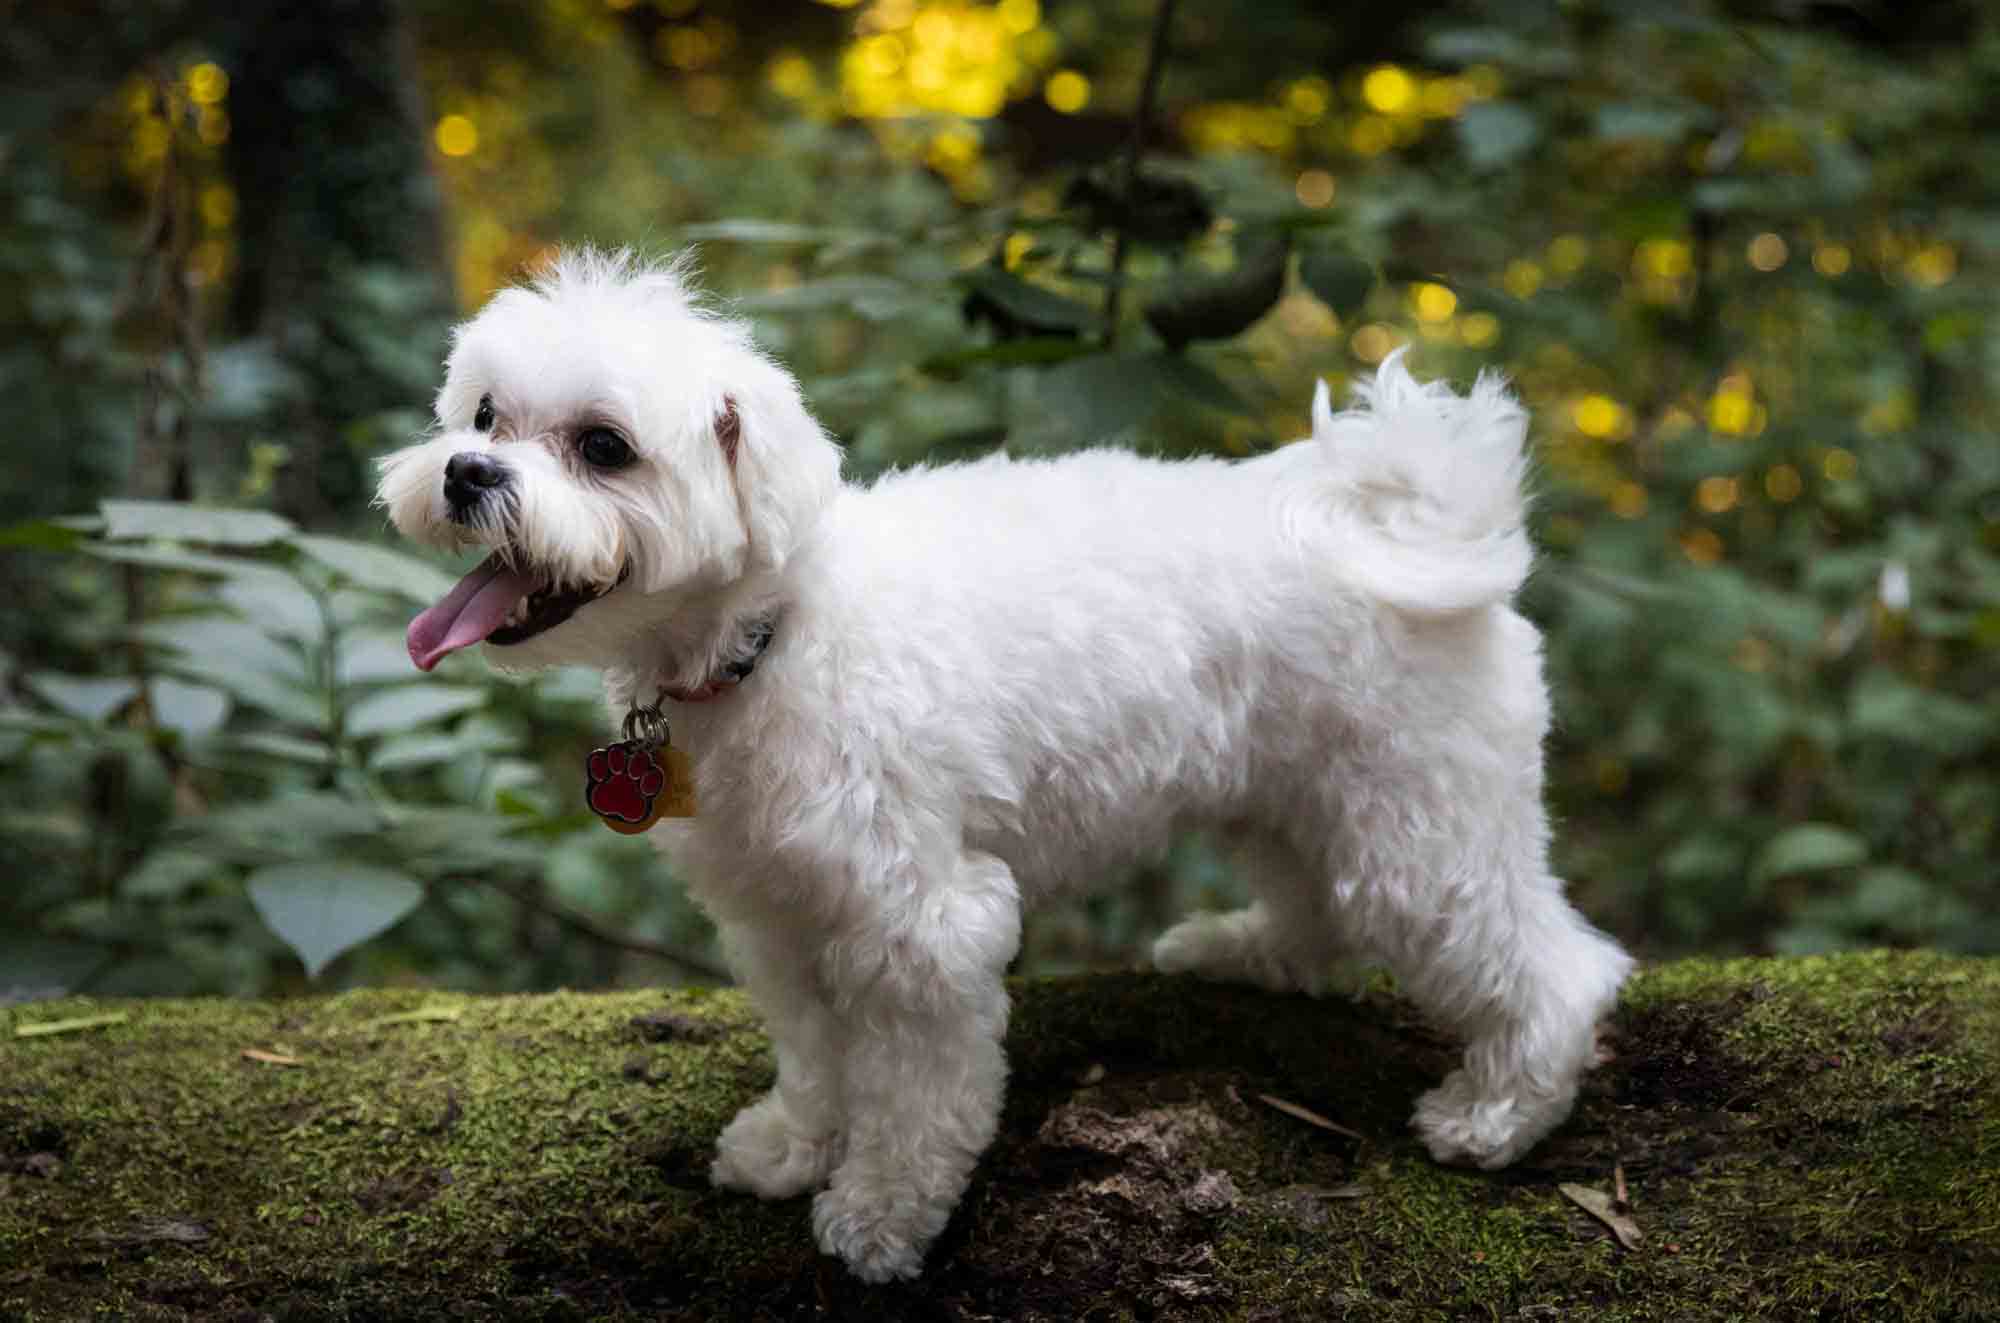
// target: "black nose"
[[469, 475]]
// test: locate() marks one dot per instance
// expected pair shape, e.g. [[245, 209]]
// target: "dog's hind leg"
[[788, 1141], [1452, 891], [1286, 940]]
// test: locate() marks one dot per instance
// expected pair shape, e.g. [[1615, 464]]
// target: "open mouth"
[[499, 602]]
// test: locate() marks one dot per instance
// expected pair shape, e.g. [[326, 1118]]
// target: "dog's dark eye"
[[483, 420], [603, 448]]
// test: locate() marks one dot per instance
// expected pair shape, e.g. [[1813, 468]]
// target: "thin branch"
[[586, 927], [1149, 91]]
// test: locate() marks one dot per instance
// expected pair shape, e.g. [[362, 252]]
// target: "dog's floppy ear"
[[786, 469]]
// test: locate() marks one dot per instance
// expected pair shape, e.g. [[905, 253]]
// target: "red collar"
[[757, 637]]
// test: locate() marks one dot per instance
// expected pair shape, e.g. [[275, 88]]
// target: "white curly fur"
[[994, 682]]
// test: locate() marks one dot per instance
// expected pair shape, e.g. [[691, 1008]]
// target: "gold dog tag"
[[642, 778]]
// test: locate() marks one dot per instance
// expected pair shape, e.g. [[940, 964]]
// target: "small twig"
[[577, 923], [1618, 1193], [1309, 1116], [1156, 60]]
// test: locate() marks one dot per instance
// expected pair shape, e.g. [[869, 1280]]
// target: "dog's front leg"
[[924, 1074], [786, 1142]]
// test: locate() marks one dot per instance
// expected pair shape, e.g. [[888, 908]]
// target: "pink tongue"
[[469, 612]]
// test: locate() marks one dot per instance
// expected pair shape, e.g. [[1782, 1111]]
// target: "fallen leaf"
[[1309, 1116], [71, 1026], [421, 1015], [1601, 1206], [270, 1058]]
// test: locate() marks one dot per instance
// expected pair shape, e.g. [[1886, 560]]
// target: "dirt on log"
[[1797, 1139]]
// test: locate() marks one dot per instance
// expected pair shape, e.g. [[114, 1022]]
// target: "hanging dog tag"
[[639, 780]]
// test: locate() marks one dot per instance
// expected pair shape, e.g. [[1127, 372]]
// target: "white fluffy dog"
[[978, 686]]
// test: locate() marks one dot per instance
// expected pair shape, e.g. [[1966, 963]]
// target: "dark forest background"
[[1738, 256]]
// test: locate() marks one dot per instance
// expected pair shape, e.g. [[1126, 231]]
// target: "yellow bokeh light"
[[952, 149], [1522, 278], [1717, 494], [1066, 91], [1832, 259], [1783, 484], [791, 75], [1307, 99], [1372, 343], [212, 126], [1019, 16], [207, 84], [1388, 89], [218, 206], [1568, 253], [1433, 302], [1701, 545], [1629, 500], [1894, 413], [1314, 189], [1840, 465], [882, 55], [1371, 135], [1443, 98], [456, 136], [1668, 259], [1932, 265], [1731, 412], [1768, 251], [1599, 416], [1477, 330]]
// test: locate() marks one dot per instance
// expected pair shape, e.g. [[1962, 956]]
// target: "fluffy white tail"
[[1428, 485]]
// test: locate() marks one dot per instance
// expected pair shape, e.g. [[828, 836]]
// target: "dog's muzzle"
[[468, 477]]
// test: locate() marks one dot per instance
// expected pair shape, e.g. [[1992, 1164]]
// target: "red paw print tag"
[[632, 786]]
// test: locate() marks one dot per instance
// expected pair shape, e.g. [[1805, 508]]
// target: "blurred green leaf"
[[40, 535], [1215, 308], [1809, 847], [1023, 307], [190, 710], [325, 908], [125, 520], [167, 873], [408, 706], [83, 697], [752, 230], [368, 566], [1497, 133], [1342, 280]]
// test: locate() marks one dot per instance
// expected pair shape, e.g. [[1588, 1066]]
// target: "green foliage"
[[1738, 264], [275, 768]]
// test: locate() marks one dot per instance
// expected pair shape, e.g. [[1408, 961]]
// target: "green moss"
[[1801, 1139]]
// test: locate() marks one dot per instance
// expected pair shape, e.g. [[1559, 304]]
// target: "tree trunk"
[[1798, 1139], [328, 153]]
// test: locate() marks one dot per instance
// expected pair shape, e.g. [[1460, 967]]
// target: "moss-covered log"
[[1799, 1139]]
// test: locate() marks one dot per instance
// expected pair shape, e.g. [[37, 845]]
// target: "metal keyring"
[[647, 726]]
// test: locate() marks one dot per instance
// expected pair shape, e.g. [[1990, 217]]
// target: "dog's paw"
[[1462, 1128], [874, 1229], [1238, 948], [763, 1152]]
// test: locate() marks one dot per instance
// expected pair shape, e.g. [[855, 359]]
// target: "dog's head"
[[610, 440]]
